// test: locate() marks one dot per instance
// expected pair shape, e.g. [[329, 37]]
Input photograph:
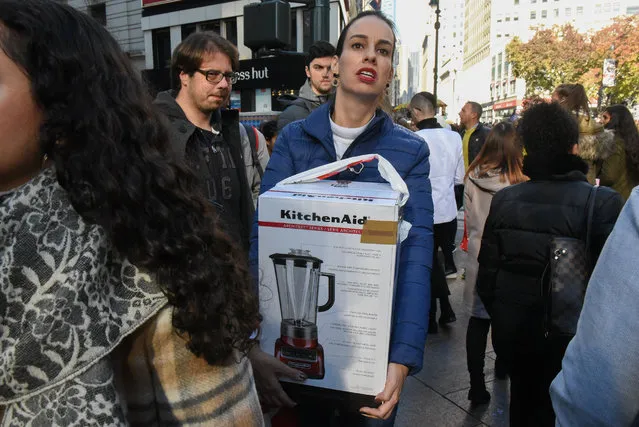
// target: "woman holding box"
[[353, 125]]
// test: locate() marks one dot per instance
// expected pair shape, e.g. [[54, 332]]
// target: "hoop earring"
[[45, 158], [335, 79], [387, 89]]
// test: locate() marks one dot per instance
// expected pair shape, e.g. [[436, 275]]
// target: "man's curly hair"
[[111, 153]]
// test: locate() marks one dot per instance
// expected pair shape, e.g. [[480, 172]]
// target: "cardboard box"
[[313, 236]]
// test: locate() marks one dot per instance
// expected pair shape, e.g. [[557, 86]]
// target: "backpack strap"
[[254, 142]]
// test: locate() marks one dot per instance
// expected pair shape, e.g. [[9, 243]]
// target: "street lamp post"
[[435, 5]]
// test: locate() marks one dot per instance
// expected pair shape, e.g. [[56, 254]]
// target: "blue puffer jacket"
[[306, 144]]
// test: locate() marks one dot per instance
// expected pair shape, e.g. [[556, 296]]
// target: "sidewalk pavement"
[[437, 396]]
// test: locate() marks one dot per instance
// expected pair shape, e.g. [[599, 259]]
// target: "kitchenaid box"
[[327, 255]]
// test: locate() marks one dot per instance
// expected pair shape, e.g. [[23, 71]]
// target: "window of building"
[[293, 46], [215, 26], [499, 60], [533, 14], [516, 18], [161, 48], [580, 10], [231, 30], [506, 35], [512, 86], [516, 2], [544, 13], [556, 13], [533, 1], [188, 29], [544, 1], [606, 8], [493, 69], [307, 28], [616, 7], [498, 35], [568, 11], [506, 68], [507, 19], [98, 12], [597, 8], [632, 10]]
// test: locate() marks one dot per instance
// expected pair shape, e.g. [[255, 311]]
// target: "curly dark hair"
[[548, 129], [622, 122], [111, 153]]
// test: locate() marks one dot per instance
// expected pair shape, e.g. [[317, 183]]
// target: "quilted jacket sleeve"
[[412, 296]]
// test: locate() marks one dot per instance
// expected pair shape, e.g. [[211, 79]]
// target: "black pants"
[[476, 340], [445, 239], [530, 378]]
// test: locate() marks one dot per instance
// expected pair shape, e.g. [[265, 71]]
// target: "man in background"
[[318, 86]]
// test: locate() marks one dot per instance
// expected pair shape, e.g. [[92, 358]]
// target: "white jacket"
[[446, 170]]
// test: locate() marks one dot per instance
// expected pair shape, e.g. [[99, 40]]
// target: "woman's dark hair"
[[622, 122], [548, 129], [573, 97], [191, 52], [501, 152], [111, 153], [342, 37]]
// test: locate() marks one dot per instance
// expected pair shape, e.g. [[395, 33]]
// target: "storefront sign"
[[146, 3], [276, 72], [505, 104]]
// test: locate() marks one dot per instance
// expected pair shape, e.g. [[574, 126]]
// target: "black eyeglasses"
[[215, 76]]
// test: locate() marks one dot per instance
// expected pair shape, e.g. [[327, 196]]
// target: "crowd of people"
[[128, 240]]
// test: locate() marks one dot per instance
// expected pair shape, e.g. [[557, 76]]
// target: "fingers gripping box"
[[327, 255]]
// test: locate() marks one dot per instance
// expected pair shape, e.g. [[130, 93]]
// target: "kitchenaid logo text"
[[300, 216]]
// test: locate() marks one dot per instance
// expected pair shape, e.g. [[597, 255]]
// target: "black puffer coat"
[[515, 244]]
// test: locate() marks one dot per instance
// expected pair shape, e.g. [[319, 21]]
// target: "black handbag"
[[565, 279]]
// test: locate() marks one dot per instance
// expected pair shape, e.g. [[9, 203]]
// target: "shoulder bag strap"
[[591, 209]]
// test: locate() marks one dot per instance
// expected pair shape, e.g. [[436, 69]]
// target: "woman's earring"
[[45, 158], [387, 88], [335, 79]]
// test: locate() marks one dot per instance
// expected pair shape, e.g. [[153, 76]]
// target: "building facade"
[[123, 20], [265, 80]]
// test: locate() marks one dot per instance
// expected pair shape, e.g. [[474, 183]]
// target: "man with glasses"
[[203, 70]]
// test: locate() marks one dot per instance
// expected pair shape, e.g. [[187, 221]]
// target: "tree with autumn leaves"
[[563, 55]]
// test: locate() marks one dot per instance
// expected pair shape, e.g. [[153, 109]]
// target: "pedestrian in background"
[[269, 130], [498, 165], [599, 381], [595, 143], [620, 170], [317, 88], [350, 126], [446, 171], [475, 132], [515, 250], [124, 302]]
